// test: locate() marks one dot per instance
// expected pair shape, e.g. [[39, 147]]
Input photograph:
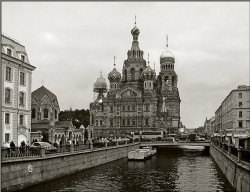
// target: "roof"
[[17, 47], [63, 124], [41, 92]]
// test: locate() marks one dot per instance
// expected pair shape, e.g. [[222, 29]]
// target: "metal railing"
[[240, 153], [20, 152]]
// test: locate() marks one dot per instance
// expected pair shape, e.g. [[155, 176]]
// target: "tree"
[[78, 117]]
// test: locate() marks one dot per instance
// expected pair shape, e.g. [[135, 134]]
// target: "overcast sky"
[[69, 43]]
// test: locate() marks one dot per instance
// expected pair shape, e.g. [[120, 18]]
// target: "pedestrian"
[[12, 147]]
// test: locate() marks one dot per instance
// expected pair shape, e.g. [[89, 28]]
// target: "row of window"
[[8, 96], [130, 108], [7, 119], [125, 122], [8, 76], [9, 52], [45, 113]]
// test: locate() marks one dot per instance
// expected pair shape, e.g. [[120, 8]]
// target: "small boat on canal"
[[141, 154]]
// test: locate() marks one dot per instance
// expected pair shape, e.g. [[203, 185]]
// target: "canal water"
[[172, 169]]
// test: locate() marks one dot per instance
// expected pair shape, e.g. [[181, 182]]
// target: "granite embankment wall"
[[237, 173], [21, 173]]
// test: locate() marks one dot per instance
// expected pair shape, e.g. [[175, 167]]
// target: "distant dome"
[[100, 84], [135, 31], [114, 75], [148, 73], [167, 54]]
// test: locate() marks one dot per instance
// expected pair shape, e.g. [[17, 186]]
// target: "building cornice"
[[18, 62]]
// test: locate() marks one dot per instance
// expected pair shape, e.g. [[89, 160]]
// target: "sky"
[[69, 43]]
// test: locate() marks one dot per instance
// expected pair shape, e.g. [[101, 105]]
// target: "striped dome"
[[114, 75], [135, 31], [148, 73]]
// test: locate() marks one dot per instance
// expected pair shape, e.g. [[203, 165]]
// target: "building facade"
[[137, 100], [45, 120], [209, 126], [234, 112], [16, 92]]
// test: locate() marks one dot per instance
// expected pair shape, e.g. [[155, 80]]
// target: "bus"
[[148, 134]]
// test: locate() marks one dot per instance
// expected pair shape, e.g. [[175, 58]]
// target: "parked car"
[[48, 147], [199, 138]]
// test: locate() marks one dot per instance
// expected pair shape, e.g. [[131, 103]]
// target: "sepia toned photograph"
[[125, 96]]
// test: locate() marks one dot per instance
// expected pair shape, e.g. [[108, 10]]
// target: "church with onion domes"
[[138, 99]]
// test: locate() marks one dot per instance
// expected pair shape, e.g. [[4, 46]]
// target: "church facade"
[[138, 99]]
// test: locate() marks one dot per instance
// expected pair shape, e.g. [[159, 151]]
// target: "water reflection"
[[173, 169]]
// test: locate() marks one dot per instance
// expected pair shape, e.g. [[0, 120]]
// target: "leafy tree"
[[78, 117]]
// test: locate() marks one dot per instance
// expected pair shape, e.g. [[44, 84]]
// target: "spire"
[[114, 62], [154, 66], [164, 108], [148, 59], [100, 73], [167, 41], [135, 20]]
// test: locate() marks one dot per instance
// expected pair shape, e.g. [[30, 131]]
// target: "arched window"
[[7, 95], [166, 79], [55, 114], [115, 86], [33, 113], [132, 74], [125, 73], [45, 113], [173, 81]]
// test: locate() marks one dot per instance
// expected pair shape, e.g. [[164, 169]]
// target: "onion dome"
[[148, 73], [135, 31], [100, 84], [114, 75], [167, 56]]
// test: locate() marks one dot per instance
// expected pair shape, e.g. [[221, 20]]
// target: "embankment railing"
[[241, 154]]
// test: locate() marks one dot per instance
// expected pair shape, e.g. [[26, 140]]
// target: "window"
[[240, 114], [7, 95], [240, 104], [123, 108], [240, 123], [166, 79], [133, 122], [22, 57], [146, 121], [240, 95], [9, 52], [128, 122], [100, 122], [55, 114], [111, 122], [132, 74], [128, 108], [22, 78], [111, 108], [45, 113], [21, 98], [147, 107], [7, 137], [123, 122], [8, 73], [7, 118], [33, 114], [96, 123], [21, 120], [133, 108]]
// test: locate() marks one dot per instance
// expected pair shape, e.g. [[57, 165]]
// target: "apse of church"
[[138, 99]]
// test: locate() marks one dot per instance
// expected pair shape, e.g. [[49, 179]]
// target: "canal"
[[172, 169]]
